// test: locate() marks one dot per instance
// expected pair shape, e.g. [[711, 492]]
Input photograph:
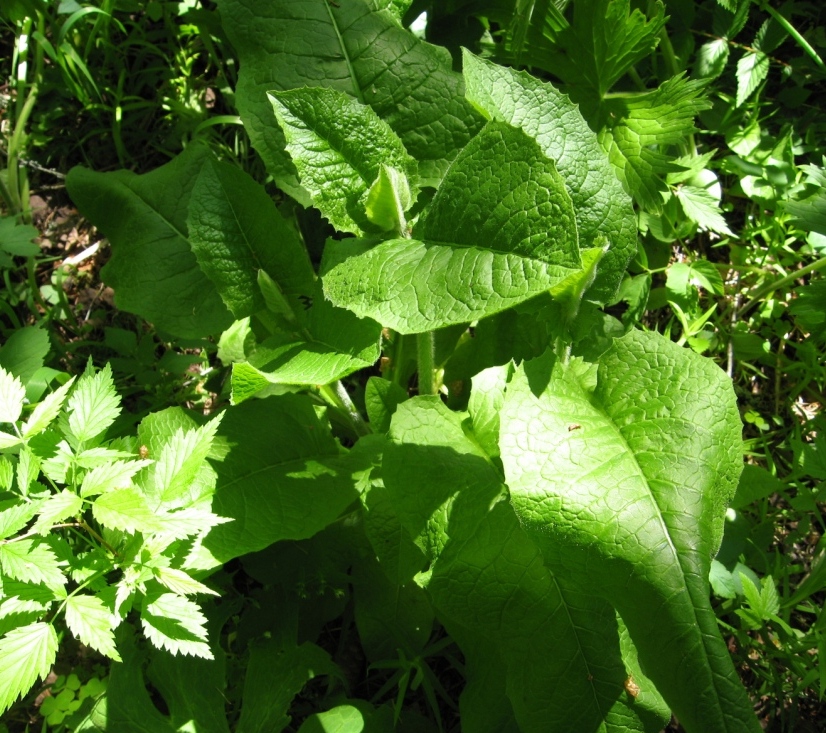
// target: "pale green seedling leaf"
[[357, 49], [752, 69], [176, 624], [114, 475], [499, 231], [602, 209], [91, 622], [335, 166], [93, 406], [125, 509], [12, 396], [47, 410], [699, 205], [235, 230], [629, 504], [56, 508], [31, 561], [641, 127], [152, 269], [28, 653]]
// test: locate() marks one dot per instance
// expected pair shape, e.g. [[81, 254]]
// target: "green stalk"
[[781, 283], [336, 395], [426, 352], [793, 32]]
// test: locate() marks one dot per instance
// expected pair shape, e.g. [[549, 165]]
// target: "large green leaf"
[[624, 489], [603, 210], [235, 231], [281, 475], [561, 648], [500, 230], [354, 48], [152, 268], [333, 344], [336, 166]]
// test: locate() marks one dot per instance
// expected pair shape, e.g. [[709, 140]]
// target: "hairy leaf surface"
[[500, 230], [354, 48], [602, 209], [630, 504]]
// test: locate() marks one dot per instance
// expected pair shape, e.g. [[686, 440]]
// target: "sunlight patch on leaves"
[[91, 622], [176, 624], [94, 405]]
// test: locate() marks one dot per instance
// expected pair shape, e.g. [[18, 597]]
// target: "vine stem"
[[426, 352]]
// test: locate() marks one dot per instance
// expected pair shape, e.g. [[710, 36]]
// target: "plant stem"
[[426, 352], [782, 282], [794, 33], [336, 394]]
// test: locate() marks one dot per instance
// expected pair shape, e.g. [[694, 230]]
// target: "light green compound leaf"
[[125, 509], [114, 475], [334, 343], [31, 561], [602, 209], [499, 231], [153, 269], [12, 395], [699, 205], [91, 622], [235, 230], [94, 405], [47, 410], [561, 651], [285, 479], [355, 49], [630, 504], [57, 508], [28, 653], [752, 69], [16, 515], [712, 58], [639, 130], [176, 624], [335, 166], [274, 676], [179, 582]]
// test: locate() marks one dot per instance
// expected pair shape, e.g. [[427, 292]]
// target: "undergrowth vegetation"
[[376, 365]]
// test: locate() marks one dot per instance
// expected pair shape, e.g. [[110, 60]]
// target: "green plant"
[[561, 520]]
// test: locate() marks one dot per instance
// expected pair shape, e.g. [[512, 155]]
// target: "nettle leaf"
[[93, 406], [334, 343], [47, 410], [125, 509], [563, 663], [752, 69], [31, 561], [639, 129], [114, 475], [699, 205], [28, 653], [236, 230], [499, 231], [91, 622], [629, 504], [12, 396], [591, 54], [287, 479], [356, 49], [335, 166], [176, 624], [602, 209], [57, 508], [153, 269]]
